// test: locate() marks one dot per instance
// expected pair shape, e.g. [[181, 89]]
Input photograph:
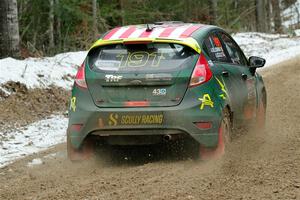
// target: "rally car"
[[154, 83]]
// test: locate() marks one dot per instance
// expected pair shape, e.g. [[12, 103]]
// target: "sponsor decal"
[[113, 119], [113, 78], [216, 49], [135, 119], [219, 54], [159, 92], [140, 59], [158, 77], [73, 104], [210, 62], [206, 101], [217, 41], [224, 95]]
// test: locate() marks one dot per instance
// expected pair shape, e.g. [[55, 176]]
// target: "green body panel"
[[203, 103], [114, 94], [179, 117]]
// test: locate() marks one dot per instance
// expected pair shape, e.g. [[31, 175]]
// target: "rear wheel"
[[224, 139], [85, 152]]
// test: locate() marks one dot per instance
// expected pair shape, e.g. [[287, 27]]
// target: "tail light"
[[203, 125], [76, 127], [136, 103], [80, 77], [201, 73]]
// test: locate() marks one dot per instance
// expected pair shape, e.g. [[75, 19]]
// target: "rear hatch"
[[150, 74]]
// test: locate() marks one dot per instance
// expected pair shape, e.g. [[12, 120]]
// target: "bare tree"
[[260, 16], [51, 23], [213, 5], [9, 29], [121, 6], [268, 15], [95, 19], [277, 16], [58, 25]]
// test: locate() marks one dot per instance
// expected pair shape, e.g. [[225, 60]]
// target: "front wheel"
[[261, 115], [224, 139]]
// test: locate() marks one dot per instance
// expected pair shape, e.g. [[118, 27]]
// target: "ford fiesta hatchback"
[[156, 83]]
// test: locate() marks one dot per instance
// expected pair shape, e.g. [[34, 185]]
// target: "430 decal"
[[159, 92]]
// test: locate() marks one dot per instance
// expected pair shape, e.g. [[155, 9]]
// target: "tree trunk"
[[260, 16], [51, 23], [276, 15], [121, 6], [58, 26], [213, 6], [95, 19], [268, 15], [9, 29]]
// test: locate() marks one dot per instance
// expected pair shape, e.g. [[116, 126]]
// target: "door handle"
[[244, 76], [225, 73]]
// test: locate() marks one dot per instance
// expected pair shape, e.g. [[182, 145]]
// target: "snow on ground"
[[42, 72], [275, 48], [33, 138], [36, 161], [58, 70]]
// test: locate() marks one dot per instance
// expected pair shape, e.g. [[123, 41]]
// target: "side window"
[[236, 56], [213, 47]]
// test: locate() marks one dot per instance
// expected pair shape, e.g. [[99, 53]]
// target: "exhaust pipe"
[[167, 137]]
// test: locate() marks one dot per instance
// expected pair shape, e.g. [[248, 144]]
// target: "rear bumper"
[[176, 120]]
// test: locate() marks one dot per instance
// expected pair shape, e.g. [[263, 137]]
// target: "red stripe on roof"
[[189, 31], [128, 32], [111, 33], [145, 34], [167, 32]]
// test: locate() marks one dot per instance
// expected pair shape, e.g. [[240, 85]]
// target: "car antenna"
[[148, 29]]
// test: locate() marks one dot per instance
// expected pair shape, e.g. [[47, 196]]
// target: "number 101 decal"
[[159, 92]]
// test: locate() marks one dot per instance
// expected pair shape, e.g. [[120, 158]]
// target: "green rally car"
[[154, 83]]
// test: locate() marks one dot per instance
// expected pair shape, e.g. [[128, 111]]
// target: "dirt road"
[[256, 166]]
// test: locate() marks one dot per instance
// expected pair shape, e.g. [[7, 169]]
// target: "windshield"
[[139, 57]]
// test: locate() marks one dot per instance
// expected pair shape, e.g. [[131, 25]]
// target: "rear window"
[[140, 57]]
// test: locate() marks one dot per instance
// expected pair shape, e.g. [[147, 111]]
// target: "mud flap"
[[85, 152]]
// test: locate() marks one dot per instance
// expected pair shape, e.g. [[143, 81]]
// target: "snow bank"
[[42, 72], [275, 48], [33, 138], [60, 69]]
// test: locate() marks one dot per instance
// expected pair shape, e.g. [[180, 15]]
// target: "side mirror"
[[256, 62]]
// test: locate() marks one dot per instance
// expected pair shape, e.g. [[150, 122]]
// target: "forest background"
[[36, 28]]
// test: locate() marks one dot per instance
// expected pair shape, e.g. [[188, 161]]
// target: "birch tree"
[[51, 23], [9, 29]]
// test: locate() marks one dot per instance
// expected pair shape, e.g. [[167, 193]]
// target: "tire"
[[85, 152], [260, 119], [224, 139]]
